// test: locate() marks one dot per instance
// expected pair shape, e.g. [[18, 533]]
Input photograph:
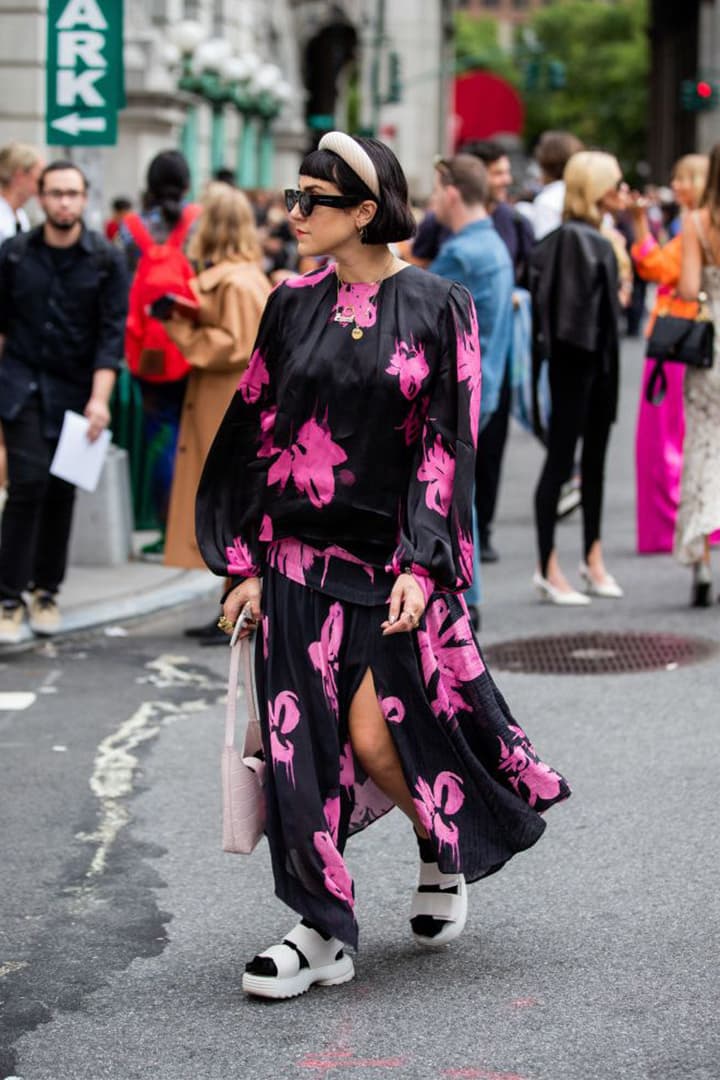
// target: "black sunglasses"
[[307, 202]]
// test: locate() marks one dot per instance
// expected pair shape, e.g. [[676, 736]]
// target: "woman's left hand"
[[407, 603]]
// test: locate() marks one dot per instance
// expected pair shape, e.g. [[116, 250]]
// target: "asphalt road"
[[594, 956]]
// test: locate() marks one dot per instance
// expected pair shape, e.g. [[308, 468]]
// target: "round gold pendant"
[[356, 333]]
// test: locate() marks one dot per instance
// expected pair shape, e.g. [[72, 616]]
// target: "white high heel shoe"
[[551, 595], [607, 589]]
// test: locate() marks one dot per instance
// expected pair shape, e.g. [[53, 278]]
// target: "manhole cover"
[[595, 654]]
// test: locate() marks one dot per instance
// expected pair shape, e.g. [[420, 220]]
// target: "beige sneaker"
[[44, 613], [12, 622]]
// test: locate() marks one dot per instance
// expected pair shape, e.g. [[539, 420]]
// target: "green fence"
[[128, 432]]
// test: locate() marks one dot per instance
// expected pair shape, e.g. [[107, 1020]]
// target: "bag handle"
[[189, 216], [139, 232], [240, 649], [657, 384]]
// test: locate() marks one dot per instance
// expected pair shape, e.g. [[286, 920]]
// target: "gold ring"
[[224, 623]]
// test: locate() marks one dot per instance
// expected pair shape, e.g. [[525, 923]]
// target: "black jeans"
[[37, 517], [582, 408], [488, 463]]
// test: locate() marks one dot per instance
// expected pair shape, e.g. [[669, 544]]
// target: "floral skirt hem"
[[477, 783]]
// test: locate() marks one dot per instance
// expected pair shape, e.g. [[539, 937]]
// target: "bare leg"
[[375, 750], [555, 576]]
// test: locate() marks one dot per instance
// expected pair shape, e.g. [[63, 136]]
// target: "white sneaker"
[[551, 595], [44, 613], [12, 622]]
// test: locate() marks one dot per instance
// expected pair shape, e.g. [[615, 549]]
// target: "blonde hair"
[[226, 228], [695, 167], [588, 176], [16, 157]]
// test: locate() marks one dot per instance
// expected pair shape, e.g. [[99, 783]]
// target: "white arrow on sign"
[[73, 123]]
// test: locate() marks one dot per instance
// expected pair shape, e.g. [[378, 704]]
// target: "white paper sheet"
[[76, 459]]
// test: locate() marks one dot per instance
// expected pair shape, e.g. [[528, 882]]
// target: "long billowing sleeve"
[[436, 533], [228, 512], [656, 263]]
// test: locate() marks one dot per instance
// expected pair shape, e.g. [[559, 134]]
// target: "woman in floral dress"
[[342, 478]]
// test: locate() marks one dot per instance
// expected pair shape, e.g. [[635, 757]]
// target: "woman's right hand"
[[247, 592]]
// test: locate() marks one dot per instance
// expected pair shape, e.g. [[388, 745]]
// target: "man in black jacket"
[[63, 305]]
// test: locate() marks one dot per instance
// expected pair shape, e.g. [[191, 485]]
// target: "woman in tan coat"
[[231, 291]]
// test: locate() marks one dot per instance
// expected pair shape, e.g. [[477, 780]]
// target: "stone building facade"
[[339, 62]]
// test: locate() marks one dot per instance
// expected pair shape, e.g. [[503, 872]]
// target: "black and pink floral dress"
[[344, 457]]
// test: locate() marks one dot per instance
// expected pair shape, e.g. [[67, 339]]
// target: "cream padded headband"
[[353, 155]]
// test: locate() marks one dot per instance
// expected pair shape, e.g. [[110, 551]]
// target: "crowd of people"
[[556, 277], [345, 535]]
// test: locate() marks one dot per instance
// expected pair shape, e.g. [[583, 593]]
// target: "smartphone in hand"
[[168, 305]]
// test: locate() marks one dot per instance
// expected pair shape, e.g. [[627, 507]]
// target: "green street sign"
[[85, 76]]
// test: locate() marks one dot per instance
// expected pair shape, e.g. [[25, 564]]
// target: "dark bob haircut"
[[393, 220]]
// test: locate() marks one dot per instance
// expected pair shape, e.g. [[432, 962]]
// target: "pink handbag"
[[243, 774]]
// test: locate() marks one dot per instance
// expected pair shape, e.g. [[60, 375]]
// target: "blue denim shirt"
[[477, 258]]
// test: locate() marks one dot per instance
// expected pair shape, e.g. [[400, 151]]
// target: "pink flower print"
[[266, 529], [332, 816], [356, 305], [314, 277], [283, 718], [392, 709], [466, 558], [256, 376], [437, 804], [324, 654], [468, 367], [346, 556], [239, 559], [292, 558], [411, 426], [310, 460], [438, 472], [337, 879], [267, 430], [347, 767], [523, 767], [409, 364], [449, 657], [453, 646]]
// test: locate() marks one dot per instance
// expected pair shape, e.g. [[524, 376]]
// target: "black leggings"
[[583, 407]]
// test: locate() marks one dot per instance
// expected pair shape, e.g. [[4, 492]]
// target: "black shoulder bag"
[[679, 341]]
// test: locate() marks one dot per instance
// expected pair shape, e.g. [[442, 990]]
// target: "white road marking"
[[166, 672], [115, 763], [16, 700], [10, 966]]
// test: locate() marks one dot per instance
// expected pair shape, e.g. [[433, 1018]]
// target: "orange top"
[[662, 264]]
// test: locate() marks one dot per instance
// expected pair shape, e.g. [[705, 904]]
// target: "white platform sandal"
[[302, 958], [439, 899]]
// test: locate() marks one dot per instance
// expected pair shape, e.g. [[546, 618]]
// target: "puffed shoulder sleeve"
[[229, 521], [436, 534]]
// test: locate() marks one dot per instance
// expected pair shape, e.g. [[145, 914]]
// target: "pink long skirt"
[[658, 462]]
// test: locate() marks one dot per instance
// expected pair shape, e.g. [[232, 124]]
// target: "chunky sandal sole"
[[274, 986]]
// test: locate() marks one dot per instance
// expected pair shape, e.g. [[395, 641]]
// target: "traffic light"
[[699, 95]]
